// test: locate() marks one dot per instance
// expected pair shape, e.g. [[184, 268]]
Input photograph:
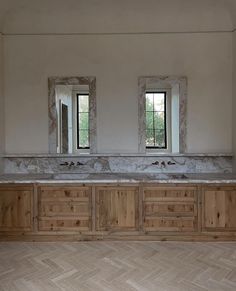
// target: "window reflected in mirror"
[[156, 129], [72, 103], [72, 113], [82, 121]]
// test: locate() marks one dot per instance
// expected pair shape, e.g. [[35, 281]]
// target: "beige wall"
[[2, 136], [117, 61], [233, 14], [234, 99], [73, 16]]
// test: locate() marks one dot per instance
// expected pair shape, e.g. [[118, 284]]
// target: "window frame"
[[76, 128], [168, 128], [177, 85]]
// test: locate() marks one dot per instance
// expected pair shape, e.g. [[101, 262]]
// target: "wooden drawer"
[[65, 209], [81, 194], [169, 194], [16, 212], [170, 208], [169, 223], [64, 223]]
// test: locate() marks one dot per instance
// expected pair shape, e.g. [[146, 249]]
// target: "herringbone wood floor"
[[117, 266]]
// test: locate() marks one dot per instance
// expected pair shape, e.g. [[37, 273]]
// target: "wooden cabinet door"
[[116, 208], [219, 208], [65, 208], [170, 208], [16, 208]]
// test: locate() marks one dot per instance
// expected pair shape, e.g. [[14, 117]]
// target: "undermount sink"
[[71, 176], [177, 176], [168, 176]]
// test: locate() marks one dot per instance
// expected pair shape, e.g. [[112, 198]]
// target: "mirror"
[[162, 114], [72, 115]]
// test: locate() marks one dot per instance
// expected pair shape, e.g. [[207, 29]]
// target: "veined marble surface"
[[85, 178], [119, 164]]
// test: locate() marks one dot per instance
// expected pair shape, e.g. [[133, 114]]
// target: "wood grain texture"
[[116, 208], [65, 208], [16, 209], [118, 212], [219, 208], [170, 209]]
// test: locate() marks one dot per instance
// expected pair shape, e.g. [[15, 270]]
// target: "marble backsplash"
[[198, 163]]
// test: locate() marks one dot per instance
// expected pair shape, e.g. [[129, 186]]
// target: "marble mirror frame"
[[52, 112], [143, 83]]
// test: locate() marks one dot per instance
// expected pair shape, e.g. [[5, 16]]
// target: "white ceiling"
[[73, 16]]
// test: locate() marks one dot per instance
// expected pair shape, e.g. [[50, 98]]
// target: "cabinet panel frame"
[[178, 200], [19, 188], [62, 200], [223, 188], [136, 207]]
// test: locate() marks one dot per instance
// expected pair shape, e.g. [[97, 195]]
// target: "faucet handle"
[[163, 163], [155, 163], [79, 163], [64, 164], [170, 163]]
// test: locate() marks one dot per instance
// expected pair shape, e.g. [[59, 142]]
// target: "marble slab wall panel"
[[119, 164]]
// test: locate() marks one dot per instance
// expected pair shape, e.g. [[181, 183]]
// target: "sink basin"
[[167, 176], [71, 176], [177, 176]]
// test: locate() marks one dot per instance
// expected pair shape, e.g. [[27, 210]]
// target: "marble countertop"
[[46, 155], [211, 178]]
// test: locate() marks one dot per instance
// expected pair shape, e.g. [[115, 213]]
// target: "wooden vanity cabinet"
[[125, 211], [116, 208], [16, 213], [65, 208], [219, 208], [170, 208]]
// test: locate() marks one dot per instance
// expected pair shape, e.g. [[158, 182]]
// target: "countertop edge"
[[131, 181], [116, 155]]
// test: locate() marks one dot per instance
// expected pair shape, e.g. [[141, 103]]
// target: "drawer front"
[[81, 194], [169, 224], [169, 194], [65, 209], [64, 224], [170, 209]]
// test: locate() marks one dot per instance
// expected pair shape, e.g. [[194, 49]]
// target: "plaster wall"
[[117, 61]]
